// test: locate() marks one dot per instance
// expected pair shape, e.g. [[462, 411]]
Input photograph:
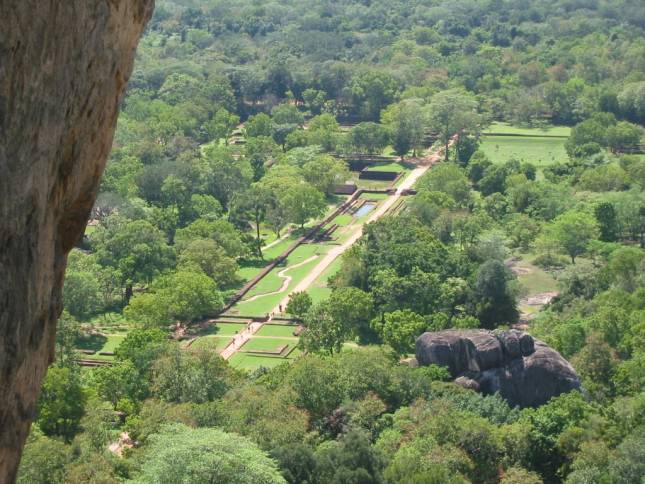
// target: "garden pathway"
[[423, 165]]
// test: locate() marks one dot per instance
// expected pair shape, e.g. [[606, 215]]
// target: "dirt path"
[[286, 280]]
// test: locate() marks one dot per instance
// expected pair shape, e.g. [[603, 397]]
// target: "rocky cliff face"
[[63, 69], [525, 372]]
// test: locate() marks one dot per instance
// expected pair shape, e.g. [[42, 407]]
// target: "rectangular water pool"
[[365, 209]]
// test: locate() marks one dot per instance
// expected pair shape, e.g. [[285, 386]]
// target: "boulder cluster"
[[524, 371]]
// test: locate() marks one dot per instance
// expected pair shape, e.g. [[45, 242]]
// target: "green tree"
[[450, 179], [369, 137], [371, 91], [353, 308], [302, 203], [183, 296], [181, 454], [221, 231], [81, 294], [626, 268], [323, 332], [452, 112], [208, 256], [406, 122], [137, 249], [400, 329], [324, 131], [573, 231], [607, 221], [623, 136], [225, 175], [494, 298], [253, 204], [258, 125], [68, 329], [299, 304], [61, 403], [222, 125], [314, 99], [325, 172], [259, 151], [196, 376], [43, 460]]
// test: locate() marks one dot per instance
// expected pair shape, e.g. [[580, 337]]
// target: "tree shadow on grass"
[[93, 342]]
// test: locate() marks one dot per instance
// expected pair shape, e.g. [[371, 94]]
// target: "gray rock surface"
[[525, 371], [64, 65]]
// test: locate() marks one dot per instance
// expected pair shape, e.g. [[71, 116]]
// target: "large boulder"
[[524, 371], [64, 66]]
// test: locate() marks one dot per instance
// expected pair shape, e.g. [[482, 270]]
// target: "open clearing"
[[539, 151]]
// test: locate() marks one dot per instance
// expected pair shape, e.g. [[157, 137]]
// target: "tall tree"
[[178, 453], [452, 112], [253, 204], [137, 249], [406, 122], [302, 203], [573, 231]]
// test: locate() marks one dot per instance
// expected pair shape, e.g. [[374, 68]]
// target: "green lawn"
[[211, 342], [374, 196], [498, 128], [252, 362], [100, 344], [277, 330], [537, 281], [272, 282], [539, 151], [342, 219], [319, 290], [267, 344], [226, 329], [393, 166]]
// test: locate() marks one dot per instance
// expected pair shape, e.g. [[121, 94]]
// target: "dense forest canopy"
[[241, 121]]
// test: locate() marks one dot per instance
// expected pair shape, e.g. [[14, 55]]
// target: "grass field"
[[251, 362], [319, 289], [267, 344], [226, 329], [539, 151], [211, 343], [272, 282], [393, 166], [537, 281], [342, 219], [497, 128], [99, 344], [374, 196], [277, 330]]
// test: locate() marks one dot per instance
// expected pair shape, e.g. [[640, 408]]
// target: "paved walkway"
[[239, 340]]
